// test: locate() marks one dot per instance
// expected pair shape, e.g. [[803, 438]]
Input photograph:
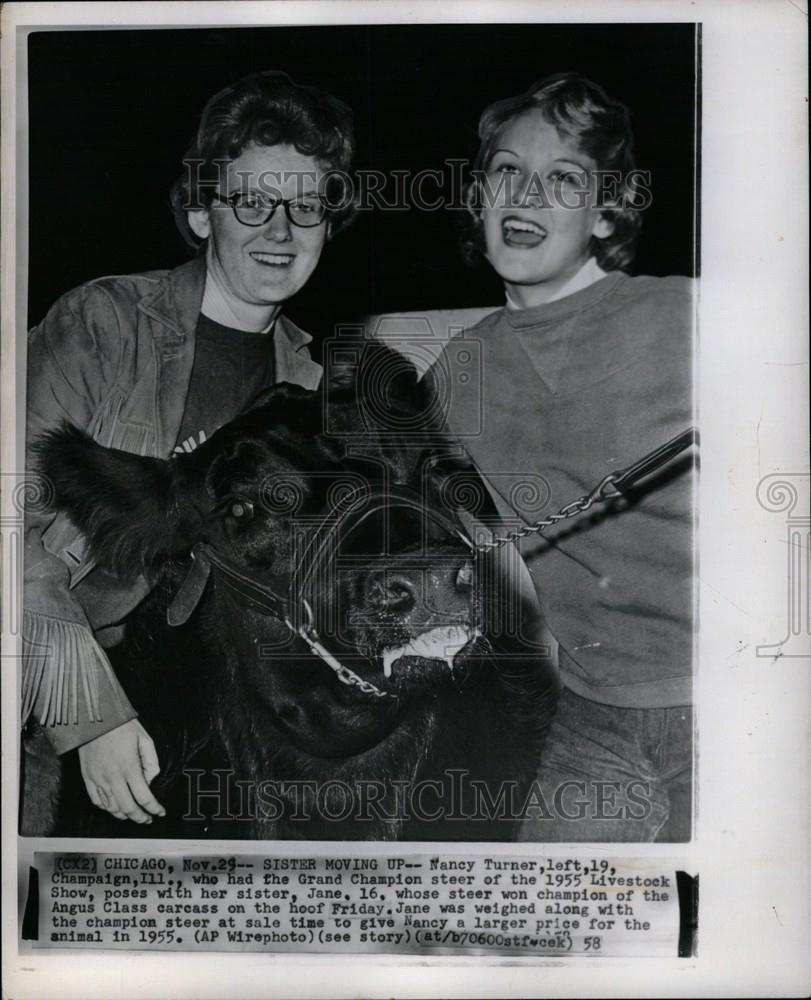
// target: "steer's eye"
[[241, 510]]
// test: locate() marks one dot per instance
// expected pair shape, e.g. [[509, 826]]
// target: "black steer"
[[323, 654]]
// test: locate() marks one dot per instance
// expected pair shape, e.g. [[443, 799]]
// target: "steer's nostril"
[[392, 592], [464, 579]]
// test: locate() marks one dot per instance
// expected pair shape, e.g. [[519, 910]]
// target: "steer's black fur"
[[257, 728]]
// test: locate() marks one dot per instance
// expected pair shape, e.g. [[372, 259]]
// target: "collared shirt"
[[588, 274]]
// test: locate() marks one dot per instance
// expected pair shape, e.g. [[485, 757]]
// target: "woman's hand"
[[117, 769]]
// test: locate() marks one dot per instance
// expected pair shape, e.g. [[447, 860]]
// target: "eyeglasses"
[[254, 210]]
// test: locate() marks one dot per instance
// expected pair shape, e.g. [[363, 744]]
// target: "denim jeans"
[[612, 774]]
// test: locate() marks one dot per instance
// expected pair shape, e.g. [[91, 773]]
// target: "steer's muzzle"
[[422, 592], [392, 583], [418, 610]]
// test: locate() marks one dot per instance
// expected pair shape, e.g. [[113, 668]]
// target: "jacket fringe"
[[110, 430], [135, 439], [62, 665]]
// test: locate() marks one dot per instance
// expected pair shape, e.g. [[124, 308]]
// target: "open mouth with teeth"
[[272, 259], [518, 232]]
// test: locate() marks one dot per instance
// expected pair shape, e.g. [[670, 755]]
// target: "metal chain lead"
[[604, 490], [345, 674]]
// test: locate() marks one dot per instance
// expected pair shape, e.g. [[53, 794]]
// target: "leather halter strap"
[[267, 601], [263, 598]]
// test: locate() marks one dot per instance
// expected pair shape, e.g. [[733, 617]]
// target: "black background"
[[112, 112]]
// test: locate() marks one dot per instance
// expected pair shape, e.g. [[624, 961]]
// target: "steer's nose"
[[463, 581], [443, 590], [391, 591]]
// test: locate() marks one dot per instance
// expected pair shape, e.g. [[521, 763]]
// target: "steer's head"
[[337, 520]]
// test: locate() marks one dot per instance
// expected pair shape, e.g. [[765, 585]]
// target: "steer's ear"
[[383, 386], [131, 508]]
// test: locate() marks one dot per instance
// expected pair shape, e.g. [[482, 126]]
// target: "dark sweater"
[[230, 368], [570, 391]]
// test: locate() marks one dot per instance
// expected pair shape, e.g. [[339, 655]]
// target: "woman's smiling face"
[[264, 265], [539, 213]]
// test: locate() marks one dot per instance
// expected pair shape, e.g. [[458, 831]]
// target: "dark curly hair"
[[599, 126], [267, 109]]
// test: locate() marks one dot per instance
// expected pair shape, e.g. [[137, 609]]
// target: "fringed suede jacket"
[[113, 357]]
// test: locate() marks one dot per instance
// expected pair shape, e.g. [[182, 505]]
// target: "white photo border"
[[751, 847]]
